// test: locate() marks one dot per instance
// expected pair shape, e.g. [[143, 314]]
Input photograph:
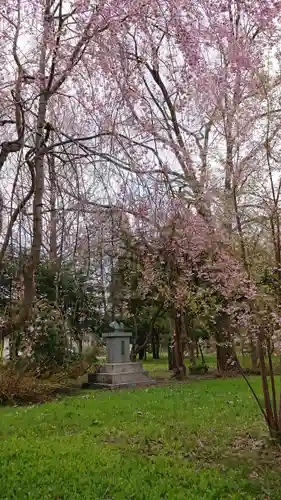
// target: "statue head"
[[117, 326]]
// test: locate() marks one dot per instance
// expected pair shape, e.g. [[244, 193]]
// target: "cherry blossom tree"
[[42, 48], [158, 118]]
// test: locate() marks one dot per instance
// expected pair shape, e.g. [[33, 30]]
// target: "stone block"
[[114, 375]]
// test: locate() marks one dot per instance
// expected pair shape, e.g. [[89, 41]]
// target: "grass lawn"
[[203, 440], [159, 367]]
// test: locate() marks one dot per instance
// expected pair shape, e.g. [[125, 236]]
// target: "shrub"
[[90, 354], [198, 369], [46, 337], [17, 388], [75, 369]]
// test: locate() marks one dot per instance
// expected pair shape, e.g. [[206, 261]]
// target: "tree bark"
[[192, 350], [53, 211], [254, 354], [155, 344], [141, 353], [170, 357], [179, 367], [80, 344], [225, 352], [35, 160]]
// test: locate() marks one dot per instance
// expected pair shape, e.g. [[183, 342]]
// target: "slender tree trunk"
[[253, 344], [114, 293], [2, 346], [141, 353], [36, 165], [179, 368], [170, 357], [53, 210], [272, 425], [103, 285], [254, 353], [12, 347], [192, 350], [80, 344], [155, 344]]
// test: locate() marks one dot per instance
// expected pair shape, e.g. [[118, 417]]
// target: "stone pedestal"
[[114, 375], [118, 346], [118, 371]]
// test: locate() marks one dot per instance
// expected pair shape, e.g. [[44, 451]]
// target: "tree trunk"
[[133, 356], [225, 352], [141, 353], [13, 346], [170, 357], [191, 351], [53, 211], [254, 354], [179, 367], [224, 356], [35, 161], [197, 350], [2, 345], [271, 422], [80, 343], [155, 344]]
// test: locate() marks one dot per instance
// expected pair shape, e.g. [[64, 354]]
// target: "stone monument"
[[118, 371]]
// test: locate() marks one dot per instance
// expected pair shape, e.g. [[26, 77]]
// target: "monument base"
[[115, 375]]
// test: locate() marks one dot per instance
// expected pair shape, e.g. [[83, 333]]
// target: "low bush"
[[17, 388], [45, 340], [76, 369], [91, 353], [198, 369]]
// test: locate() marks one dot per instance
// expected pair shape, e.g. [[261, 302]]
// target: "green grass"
[[159, 367], [188, 441]]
